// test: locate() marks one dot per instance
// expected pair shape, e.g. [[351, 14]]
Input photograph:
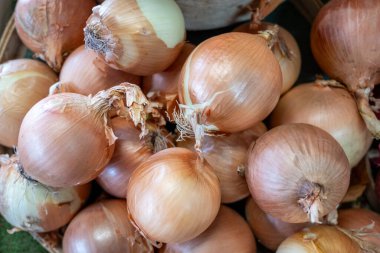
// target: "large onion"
[[23, 83], [52, 29], [293, 172], [167, 192], [31, 206]]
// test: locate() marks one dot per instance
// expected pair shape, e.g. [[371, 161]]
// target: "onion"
[[319, 239], [220, 81], [331, 108], [269, 231], [52, 29], [31, 206], [286, 51], [293, 172], [104, 227], [85, 73], [228, 233], [23, 83], [228, 156], [145, 38], [359, 180], [345, 44], [65, 139], [166, 192]]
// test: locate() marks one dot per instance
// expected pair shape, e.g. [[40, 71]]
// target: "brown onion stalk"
[[52, 29]]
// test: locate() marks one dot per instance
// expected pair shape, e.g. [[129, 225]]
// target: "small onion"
[[228, 233], [331, 108], [293, 172], [319, 239], [86, 73], [228, 156], [145, 38], [31, 206], [167, 192], [269, 231], [52, 29], [23, 83], [104, 227]]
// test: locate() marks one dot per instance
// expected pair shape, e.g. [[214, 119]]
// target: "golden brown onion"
[[52, 29], [167, 192], [331, 108], [228, 233], [297, 173], [23, 83], [145, 38]]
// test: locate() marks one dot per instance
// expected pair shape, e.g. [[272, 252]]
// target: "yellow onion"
[[228, 156], [220, 83], [104, 227], [23, 83], [31, 206], [145, 38], [269, 230], [228, 233], [84, 72], [345, 44], [321, 239], [167, 192], [297, 173], [52, 29], [331, 108]]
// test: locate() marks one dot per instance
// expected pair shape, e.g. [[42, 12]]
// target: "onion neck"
[[362, 99], [310, 199]]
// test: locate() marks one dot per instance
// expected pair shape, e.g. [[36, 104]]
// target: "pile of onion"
[[31, 206], [23, 83], [167, 192], [104, 227], [52, 29], [228, 233], [293, 172], [139, 41], [331, 108]]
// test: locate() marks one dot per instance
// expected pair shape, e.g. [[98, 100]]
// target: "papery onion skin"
[[228, 156], [63, 141], [23, 83], [223, 76], [228, 233], [130, 152], [104, 227], [293, 172], [331, 108], [268, 230], [34, 207], [84, 72], [52, 29], [165, 192], [319, 238], [146, 37]]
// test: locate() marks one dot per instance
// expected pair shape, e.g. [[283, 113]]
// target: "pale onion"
[[228, 156], [297, 173], [331, 108], [65, 139], [229, 83], [31, 206], [321, 239], [173, 196], [344, 41], [84, 72], [228, 233], [23, 83], [285, 49], [269, 230], [52, 29], [104, 227], [145, 38]]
